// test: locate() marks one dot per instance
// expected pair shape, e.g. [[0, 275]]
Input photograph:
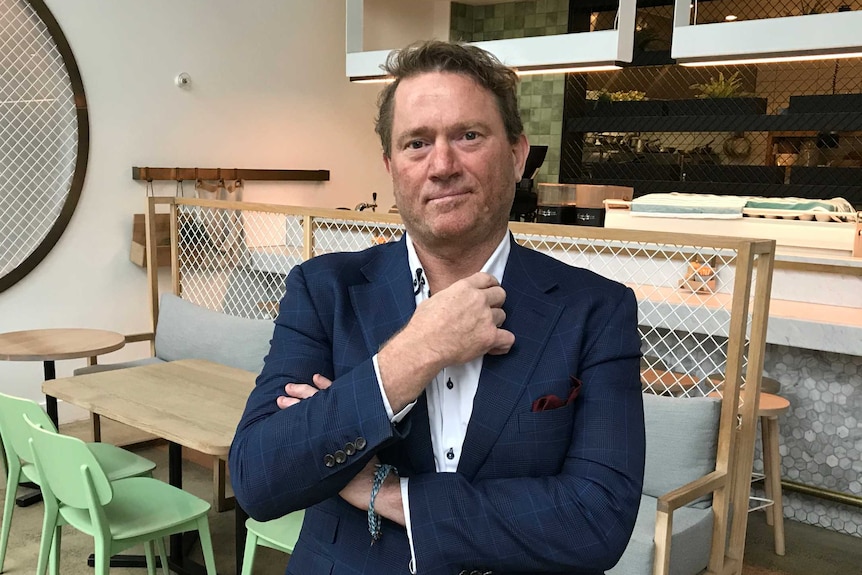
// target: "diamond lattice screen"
[[38, 133], [236, 262]]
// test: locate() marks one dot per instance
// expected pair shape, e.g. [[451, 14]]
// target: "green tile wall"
[[541, 96]]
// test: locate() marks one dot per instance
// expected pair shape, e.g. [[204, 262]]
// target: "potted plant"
[[719, 96], [622, 103]]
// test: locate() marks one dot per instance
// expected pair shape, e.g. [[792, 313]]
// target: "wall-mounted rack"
[[179, 174]]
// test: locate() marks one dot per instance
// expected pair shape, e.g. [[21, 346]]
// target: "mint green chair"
[[279, 534], [117, 514], [15, 435]]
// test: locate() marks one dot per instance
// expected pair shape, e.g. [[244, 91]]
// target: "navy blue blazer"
[[535, 492]]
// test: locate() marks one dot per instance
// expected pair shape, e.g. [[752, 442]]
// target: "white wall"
[[268, 91]]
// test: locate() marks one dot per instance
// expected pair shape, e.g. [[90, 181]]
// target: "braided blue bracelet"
[[380, 474]]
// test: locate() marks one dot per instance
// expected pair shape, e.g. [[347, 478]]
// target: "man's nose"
[[444, 161]]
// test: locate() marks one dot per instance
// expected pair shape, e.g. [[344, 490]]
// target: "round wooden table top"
[[61, 343]]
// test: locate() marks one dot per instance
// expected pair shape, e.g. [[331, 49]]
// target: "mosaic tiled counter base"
[[821, 435]]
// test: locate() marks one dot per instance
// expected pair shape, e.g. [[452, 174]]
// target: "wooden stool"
[[771, 406]]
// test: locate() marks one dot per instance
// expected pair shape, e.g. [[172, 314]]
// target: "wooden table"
[[49, 345], [191, 403]]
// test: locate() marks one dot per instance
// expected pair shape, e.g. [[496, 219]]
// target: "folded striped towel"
[[800, 204], [680, 205]]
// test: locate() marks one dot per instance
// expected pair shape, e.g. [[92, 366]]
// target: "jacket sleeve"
[[581, 518], [285, 460]]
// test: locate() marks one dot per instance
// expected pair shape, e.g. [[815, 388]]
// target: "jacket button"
[[329, 460], [360, 443], [464, 572], [349, 448], [340, 457]]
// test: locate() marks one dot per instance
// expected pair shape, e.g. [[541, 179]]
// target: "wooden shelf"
[[149, 174]]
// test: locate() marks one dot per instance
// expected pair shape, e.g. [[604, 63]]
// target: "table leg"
[[34, 495], [51, 402], [177, 560]]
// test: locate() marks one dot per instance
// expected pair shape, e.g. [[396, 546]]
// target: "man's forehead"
[[437, 85]]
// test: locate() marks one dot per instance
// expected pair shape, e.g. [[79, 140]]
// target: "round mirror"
[[44, 136]]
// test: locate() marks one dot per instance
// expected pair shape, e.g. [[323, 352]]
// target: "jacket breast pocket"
[[557, 421], [535, 445]]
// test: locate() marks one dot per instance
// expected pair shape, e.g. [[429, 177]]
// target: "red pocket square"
[[551, 401]]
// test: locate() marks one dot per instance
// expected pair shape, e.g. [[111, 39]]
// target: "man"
[[508, 404]]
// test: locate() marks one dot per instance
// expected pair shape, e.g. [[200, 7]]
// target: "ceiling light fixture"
[[786, 39], [579, 52]]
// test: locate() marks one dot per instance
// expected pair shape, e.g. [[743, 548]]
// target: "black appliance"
[[526, 198]]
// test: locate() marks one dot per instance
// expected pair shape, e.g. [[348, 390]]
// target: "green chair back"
[[118, 514], [280, 534], [68, 469], [14, 431]]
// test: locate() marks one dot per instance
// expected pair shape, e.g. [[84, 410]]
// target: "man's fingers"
[[495, 296], [498, 315], [320, 381], [300, 390], [505, 341], [285, 402], [481, 280]]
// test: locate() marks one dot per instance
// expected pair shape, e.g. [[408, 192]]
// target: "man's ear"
[[520, 149], [386, 164]]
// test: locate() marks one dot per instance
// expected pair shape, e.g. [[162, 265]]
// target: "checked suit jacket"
[[553, 491]]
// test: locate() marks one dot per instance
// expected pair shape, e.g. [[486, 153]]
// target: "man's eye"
[[415, 145], [471, 136]]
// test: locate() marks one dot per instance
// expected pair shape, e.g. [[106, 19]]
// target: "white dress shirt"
[[450, 394]]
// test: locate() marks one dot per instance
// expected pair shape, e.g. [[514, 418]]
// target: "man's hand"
[[388, 502], [457, 325], [296, 392]]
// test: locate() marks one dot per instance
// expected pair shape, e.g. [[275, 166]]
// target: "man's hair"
[[457, 58]]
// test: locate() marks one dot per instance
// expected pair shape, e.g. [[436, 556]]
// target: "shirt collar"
[[495, 266]]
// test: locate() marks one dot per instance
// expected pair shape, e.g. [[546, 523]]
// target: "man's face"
[[453, 169]]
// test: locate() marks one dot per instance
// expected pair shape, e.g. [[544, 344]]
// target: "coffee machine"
[[526, 196]]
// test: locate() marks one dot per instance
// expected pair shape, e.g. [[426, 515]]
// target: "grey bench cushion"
[[690, 543], [189, 331], [681, 440], [681, 443]]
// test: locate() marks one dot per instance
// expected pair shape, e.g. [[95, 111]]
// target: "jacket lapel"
[[531, 318], [388, 295]]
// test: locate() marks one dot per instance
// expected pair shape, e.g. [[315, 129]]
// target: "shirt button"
[[360, 443], [340, 456], [329, 460], [449, 384], [450, 454], [349, 448]]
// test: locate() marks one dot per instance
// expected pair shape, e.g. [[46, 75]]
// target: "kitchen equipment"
[[556, 204], [525, 202], [578, 204], [589, 202]]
